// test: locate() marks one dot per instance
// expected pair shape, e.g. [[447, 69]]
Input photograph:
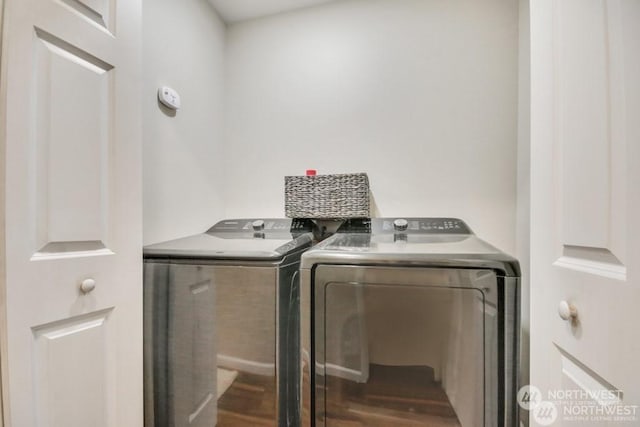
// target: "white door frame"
[[3, 341]]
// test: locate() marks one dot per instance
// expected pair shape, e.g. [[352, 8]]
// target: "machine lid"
[[427, 242], [248, 239]]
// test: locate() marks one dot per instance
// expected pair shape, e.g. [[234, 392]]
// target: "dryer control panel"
[[421, 226], [405, 226]]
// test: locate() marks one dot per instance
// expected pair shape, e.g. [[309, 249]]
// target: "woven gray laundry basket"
[[327, 196]]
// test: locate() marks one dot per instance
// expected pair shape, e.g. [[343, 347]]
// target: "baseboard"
[[249, 366], [346, 373]]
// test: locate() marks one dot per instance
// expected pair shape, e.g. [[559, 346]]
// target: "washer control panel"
[[263, 225]]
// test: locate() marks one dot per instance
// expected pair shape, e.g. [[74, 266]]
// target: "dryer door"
[[405, 346]]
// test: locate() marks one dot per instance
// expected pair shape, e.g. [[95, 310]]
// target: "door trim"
[[3, 323]]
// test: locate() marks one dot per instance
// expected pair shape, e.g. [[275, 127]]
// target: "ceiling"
[[239, 10]]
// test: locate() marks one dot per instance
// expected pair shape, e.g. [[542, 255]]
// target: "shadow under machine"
[[221, 325], [409, 322]]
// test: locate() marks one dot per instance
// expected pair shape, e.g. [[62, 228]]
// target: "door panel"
[[61, 349], [95, 11], [592, 170], [584, 244], [72, 94], [72, 155]]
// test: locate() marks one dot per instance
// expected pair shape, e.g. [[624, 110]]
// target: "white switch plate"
[[169, 97]]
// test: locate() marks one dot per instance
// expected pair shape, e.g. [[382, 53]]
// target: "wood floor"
[[404, 396], [249, 401], [393, 396]]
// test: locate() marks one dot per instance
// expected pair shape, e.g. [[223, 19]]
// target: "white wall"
[[183, 44], [420, 94]]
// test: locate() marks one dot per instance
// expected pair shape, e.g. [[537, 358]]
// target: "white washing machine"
[[221, 325], [409, 322]]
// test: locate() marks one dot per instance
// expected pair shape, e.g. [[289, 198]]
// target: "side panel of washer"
[[288, 349], [210, 345], [180, 348]]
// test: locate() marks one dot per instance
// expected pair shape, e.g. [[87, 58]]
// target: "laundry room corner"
[[183, 48], [422, 96]]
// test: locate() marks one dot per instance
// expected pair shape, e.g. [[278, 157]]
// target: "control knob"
[[400, 224], [258, 224]]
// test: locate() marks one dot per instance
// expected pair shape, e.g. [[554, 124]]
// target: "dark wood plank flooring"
[[393, 396], [249, 401], [403, 396]]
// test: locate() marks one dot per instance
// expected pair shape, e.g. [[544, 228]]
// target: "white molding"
[[4, 382], [591, 383], [604, 269]]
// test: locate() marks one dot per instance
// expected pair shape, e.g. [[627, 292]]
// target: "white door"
[[585, 211], [72, 213]]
